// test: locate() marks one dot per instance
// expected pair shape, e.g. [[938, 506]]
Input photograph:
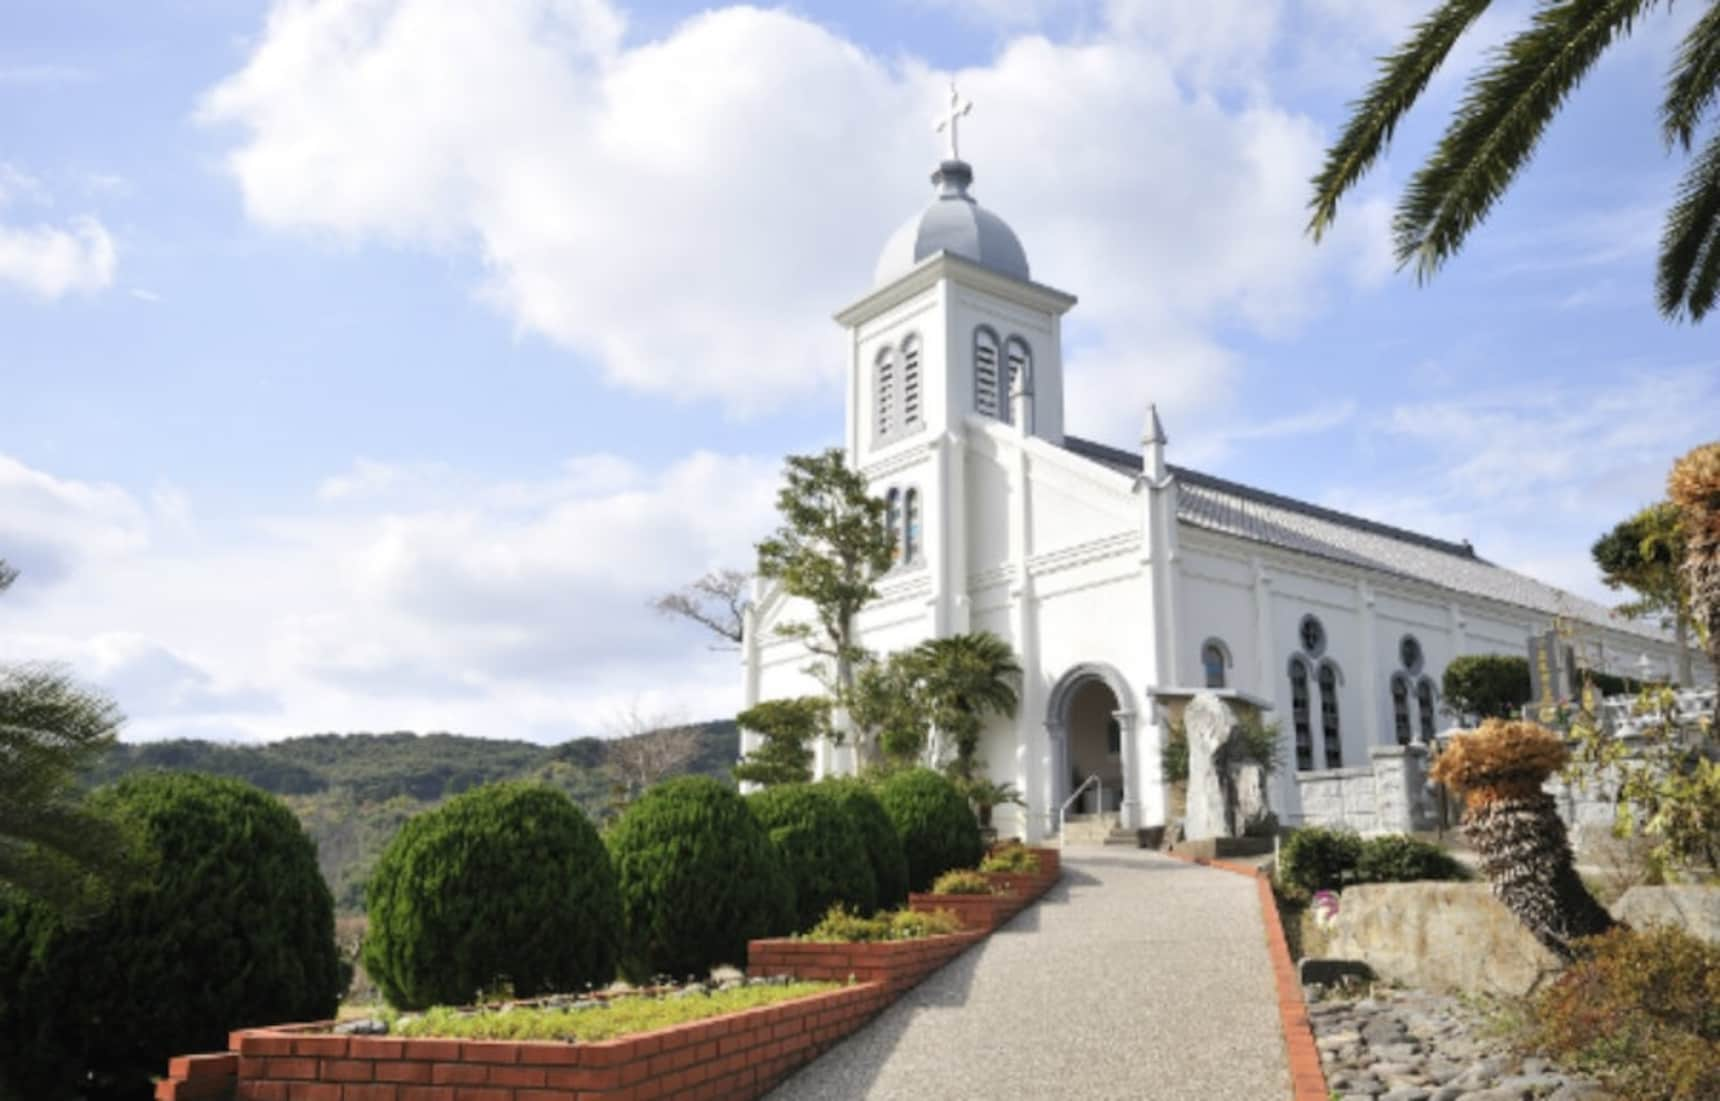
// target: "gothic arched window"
[[1331, 736], [884, 394], [1400, 708], [911, 395], [911, 526], [893, 517], [1212, 662], [1424, 697], [1299, 714], [1020, 358], [985, 382]]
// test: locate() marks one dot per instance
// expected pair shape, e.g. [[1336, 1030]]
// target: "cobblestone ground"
[[1406, 1045], [1137, 977]]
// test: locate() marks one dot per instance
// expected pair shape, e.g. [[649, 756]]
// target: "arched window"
[[893, 517], [1020, 358], [884, 394], [1213, 661], [911, 381], [911, 526], [985, 382], [1424, 697], [1299, 714], [1400, 708], [1331, 736]]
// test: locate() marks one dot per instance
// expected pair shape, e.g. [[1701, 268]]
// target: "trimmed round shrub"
[[820, 847], [1317, 859], [698, 879], [1398, 859], [883, 845], [230, 926], [507, 883], [937, 827], [962, 881]]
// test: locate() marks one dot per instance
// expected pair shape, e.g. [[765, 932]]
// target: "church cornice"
[[945, 265]]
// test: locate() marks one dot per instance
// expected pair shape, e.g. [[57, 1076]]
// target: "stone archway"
[[1090, 723]]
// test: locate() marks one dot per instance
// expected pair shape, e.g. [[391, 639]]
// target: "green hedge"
[[1489, 686], [698, 879], [883, 845], [232, 927], [1319, 859], [937, 827], [820, 847], [505, 884]]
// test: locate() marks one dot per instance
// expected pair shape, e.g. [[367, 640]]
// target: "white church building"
[[1117, 576]]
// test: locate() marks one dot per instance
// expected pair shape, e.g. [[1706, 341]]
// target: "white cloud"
[[48, 261], [687, 212], [437, 600]]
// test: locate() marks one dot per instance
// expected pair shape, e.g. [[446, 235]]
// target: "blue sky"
[[369, 363]]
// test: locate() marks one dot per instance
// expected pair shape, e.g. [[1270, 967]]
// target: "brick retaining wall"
[[896, 964]]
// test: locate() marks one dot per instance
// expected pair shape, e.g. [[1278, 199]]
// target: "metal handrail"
[[1063, 811]]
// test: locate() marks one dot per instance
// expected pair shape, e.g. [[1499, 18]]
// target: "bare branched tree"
[[644, 749], [716, 602]]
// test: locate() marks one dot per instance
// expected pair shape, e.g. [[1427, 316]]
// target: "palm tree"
[[51, 729], [1694, 486], [1505, 110], [1515, 828], [965, 679]]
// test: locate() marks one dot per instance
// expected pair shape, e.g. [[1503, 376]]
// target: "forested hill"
[[352, 791]]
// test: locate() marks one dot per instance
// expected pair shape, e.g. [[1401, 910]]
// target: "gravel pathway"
[[1409, 1045], [1136, 977]]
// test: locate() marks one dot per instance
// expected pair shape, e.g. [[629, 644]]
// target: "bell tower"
[[953, 337]]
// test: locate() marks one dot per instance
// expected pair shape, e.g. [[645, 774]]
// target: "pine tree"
[[788, 728]]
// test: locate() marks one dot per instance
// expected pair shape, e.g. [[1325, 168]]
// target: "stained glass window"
[[1331, 736], [1299, 714], [1212, 660], [893, 517], [911, 525], [1400, 708]]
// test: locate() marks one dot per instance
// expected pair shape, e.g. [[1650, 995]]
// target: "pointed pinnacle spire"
[[1154, 433]]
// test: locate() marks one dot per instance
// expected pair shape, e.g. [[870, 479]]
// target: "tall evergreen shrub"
[[233, 927], [507, 883], [698, 878], [821, 850], [937, 827], [878, 834]]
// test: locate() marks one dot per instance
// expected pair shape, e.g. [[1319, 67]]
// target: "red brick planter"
[[980, 912], [733, 1057], [1050, 861], [897, 964]]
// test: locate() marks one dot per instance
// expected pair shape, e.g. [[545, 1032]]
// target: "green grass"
[[620, 1017]]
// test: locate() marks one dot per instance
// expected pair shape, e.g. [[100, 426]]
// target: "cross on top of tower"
[[946, 121]]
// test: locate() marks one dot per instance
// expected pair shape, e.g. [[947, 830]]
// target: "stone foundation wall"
[[1389, 795]]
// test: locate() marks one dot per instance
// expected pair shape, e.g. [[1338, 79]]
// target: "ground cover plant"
[[233, 927], [962, 881], [506, 883], [936, 825], [1640, 1011], [596, 1021], [821, 849], [698, 878], [1012, 856], [841, 926]]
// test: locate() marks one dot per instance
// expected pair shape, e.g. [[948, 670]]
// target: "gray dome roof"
[[953, 223]]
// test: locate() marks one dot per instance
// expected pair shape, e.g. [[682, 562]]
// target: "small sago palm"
[[1515, 828], [1694, 486], [1505, 111], [965, 680]]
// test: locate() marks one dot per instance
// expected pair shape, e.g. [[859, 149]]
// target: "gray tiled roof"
[[1204, 501]]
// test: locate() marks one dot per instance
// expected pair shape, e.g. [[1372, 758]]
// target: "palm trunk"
[[1527, 860]]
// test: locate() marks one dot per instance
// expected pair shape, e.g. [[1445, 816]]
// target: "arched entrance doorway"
[[1090, 719]]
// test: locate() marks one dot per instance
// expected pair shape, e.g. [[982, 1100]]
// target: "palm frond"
[[1505, 110], [1695, 80], [1689, 266], [1404, 75]]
